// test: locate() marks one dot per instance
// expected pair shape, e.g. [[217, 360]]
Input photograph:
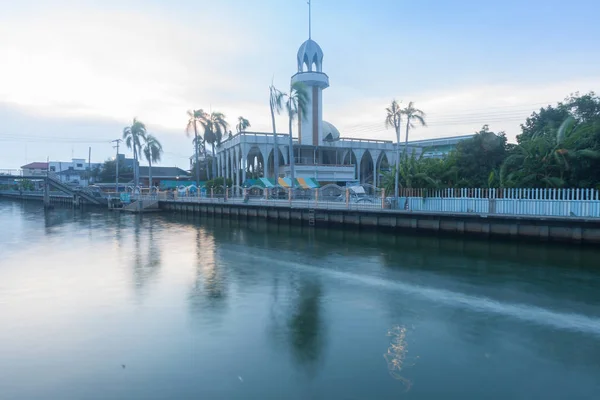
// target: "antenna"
[[118, 141], [309, 20]]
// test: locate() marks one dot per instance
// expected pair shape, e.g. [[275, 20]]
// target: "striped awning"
[[284, 182], [312, 183], [303, 183], [266, 182]]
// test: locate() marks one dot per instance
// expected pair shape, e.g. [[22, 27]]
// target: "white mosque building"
[[319, 150]]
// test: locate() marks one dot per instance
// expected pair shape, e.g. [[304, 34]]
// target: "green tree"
[[552, 161], [215, 127], [152, 151], [107, 174], [477, 157], [393, 119], [242, 124], [412, 114], [584, 108], [194, 125], [134, 136], [297, 103], [414, 172], [276, 98]]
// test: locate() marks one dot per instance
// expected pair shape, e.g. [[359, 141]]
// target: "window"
[[79, 165], [53, 169]]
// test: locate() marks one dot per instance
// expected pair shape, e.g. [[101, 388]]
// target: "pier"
[[545, 215]]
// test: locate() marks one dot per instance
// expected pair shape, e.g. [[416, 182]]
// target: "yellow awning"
[[303, 183], [283, 183]]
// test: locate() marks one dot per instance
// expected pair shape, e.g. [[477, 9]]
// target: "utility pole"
[[89, 174], [47, 186], [118, 141]]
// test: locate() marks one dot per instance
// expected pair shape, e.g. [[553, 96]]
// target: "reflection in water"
[[305, 323], [296, 319], [396, 355], [146, 259], [210, 286], [479, 306]]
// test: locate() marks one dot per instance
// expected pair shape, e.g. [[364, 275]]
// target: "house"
[[74, 172], [162, 174], [35, 169]]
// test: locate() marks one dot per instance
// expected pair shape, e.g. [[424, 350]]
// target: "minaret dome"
[[310, 57]]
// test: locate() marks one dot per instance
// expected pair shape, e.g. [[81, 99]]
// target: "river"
[[98, 305]]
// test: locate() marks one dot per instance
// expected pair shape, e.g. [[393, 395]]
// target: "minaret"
[[310, 73]]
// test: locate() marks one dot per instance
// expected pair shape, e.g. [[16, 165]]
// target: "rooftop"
[[35, 165], [163, 172]]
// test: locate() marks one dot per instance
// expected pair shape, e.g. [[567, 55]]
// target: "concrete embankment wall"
[[38, 196], [574, 230]]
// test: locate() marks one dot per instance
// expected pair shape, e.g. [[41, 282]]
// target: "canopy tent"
[[308, 183], [284, 182], [172, 184], [252, 182], [266, 182], [357, 189], [303, 183]]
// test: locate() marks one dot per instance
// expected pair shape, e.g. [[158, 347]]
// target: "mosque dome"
[[310, 54], [330, 132]]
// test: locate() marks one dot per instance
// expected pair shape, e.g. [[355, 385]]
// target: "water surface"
[[96, 305]]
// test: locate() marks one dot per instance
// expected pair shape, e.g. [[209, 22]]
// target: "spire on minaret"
[[309, 20]]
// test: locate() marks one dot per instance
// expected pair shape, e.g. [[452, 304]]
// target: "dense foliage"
[[559, 146]]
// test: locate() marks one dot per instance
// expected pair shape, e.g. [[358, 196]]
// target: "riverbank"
[[576, 230], [540, 228]]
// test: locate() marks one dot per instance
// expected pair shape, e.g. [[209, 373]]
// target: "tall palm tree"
[[194, 125], [297, 101], [134, 135], [242, 124], [276, 98], [412, 113], [152, 151], [215, 127], [393, 120]]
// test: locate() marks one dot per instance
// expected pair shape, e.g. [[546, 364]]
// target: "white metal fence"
[[540, 202], [582, 203]]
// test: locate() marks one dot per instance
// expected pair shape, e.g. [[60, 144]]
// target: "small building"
[[439, 147], [35, 169], [162, 174], [74, 172]]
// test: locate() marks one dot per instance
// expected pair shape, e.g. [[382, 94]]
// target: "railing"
[[32, 193], [11, 172], [327, 197], [583, 203], [569, 203], [348, 139]]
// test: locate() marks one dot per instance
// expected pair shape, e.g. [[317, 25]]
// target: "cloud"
[[456, 111], [90, 62]]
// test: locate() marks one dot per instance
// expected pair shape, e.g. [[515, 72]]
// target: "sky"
[[74, 73]]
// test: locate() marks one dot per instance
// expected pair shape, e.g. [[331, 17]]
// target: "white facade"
[[319, 151], [74, 172]]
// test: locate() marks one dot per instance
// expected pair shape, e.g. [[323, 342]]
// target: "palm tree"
[[297, 101], [242, 125], [276, 103], [195, 116], [547, 159], [394, 119], [134, 135], [215, 127], [412, 113], [153, 152]]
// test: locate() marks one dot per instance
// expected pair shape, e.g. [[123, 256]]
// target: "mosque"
[[319, 151]]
